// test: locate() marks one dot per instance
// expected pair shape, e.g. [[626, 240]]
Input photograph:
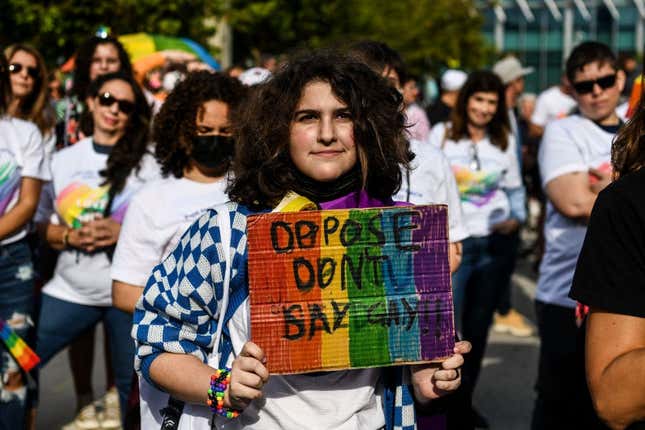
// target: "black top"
[[611, 268], [439, 112], [610, 274]]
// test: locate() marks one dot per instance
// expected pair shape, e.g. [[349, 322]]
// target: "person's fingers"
[[463, 347], [446, 375], [251, 380], [240, 395], [252, 365], [448, 385], [453, 362], [597, 173], [252, 350]]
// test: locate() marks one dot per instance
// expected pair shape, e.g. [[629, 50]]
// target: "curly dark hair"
[[263, 170], [129, 150], [499, 127], [174, 126], [83, 63]]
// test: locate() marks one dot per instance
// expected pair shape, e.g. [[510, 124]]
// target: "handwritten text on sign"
[[350, 288]]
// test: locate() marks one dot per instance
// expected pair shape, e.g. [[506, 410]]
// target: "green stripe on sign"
[[368, 345]]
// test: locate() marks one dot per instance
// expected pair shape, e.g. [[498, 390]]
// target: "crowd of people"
[[126, 191]]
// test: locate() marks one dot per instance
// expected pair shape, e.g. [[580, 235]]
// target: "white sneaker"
[[111, 414], [86, 419]]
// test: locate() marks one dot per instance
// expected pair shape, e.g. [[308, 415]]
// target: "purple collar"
[[358, 199]]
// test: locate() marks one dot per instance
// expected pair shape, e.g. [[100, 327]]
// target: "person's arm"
[[572, 196], [139, 249], [431, 381], [615, 361], [125, 296], [173, 321], [535, 131], [24, 209]]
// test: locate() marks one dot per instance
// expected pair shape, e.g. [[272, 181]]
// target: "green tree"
[[56, 28], [428, 33]]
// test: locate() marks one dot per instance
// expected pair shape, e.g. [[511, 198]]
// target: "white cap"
[[508, 69], [453, 80], [254, 76]]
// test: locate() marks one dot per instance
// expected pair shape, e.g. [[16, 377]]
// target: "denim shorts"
[[17, 307]]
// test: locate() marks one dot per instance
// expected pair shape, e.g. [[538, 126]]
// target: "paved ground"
[[504, 395]]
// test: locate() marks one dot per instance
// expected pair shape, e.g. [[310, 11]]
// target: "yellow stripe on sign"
[[335, 346]]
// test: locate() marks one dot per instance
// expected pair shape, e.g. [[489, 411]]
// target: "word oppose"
[[353, 288]]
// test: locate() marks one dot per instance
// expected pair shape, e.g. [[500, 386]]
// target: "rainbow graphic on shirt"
[[79, 203], [10, 174], [476, 186], [25, 356], [350, 288]]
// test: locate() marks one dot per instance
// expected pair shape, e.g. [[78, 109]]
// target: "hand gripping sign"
[[340, 289]]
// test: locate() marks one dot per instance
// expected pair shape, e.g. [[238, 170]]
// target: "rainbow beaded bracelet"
[[219, 381]]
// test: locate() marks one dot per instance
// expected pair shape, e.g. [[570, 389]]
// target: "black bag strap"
[[172, 414]]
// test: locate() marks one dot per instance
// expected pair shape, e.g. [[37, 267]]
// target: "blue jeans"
[[477, 287], [17, 309], [61, 322]]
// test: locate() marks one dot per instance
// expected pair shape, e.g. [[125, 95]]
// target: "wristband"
[[66, 238], [219, 382]]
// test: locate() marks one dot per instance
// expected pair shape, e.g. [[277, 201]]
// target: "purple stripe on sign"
[[431, 261], [432, 281], [436, 331]]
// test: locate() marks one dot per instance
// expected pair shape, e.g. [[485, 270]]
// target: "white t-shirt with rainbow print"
[[21, 155], [74, 196], [482, 171]]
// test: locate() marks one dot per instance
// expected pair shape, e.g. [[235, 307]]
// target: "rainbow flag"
[[25, 356], [354, 288]]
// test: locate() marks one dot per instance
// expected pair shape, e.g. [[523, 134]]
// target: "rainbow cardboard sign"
[[342, 289]]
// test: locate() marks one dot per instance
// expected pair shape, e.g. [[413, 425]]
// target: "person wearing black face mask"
[[212, 151], [194, 147]]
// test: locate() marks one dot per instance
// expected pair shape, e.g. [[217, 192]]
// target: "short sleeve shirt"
[[550, 105], [481, 189], [610, 273], [572, 144], [156, 218], [21, 155], [76, 196]]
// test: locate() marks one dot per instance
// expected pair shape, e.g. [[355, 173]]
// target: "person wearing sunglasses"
[[23, 171], [480, 148], [80, 215], [97, 56], [30, 99], [610, 279], [574, 160]]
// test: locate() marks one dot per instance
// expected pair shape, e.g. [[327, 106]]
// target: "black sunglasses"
[[585, 87], [17, 68], [125, 106]]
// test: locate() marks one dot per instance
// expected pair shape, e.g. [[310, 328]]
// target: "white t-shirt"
[[157, 217], [431, 182], [21, 155], [483, 200], [74, 196], [552, 104], [294, 402], [573, 144]]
